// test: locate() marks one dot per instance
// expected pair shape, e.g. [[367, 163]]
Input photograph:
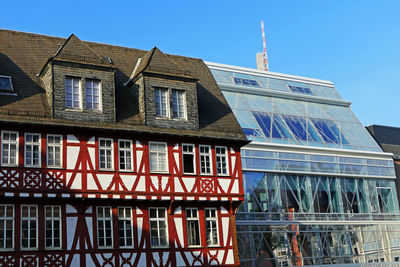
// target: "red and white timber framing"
[[79, 187]]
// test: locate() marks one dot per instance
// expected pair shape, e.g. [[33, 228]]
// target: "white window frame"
[[104, 220], [158, 153], [72, 92], [210, 219], [158, 219], [92, 81], [193, 153], [124, 150], [159, 103], [6, 219], [206, 155], [29, 219], [222, 156], [60, 145], [125, 220], [105, 148], [11, 85], [52, 219], [32, 144], [3, 142], [194, 219], [177, 92]]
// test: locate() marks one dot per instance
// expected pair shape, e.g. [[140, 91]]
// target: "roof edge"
[[269, 74]]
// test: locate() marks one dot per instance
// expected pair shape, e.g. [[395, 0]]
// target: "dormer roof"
[[156, 62], [75, 50]]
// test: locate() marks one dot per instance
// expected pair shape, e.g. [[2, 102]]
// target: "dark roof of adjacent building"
[[387, 137], [24, 55]]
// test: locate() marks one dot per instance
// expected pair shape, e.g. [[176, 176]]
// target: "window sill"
[[9, 165], [73, 109], [83, 110], [106, 170], [54, 167], [29, 249], [195, 246], [129, 247], [159, 247], [214, 246], [33, 166], [125, 171], [223, 175], [187, 173], [171, 119], [159, 172], [206, 174], [52, 249], [7, 249]]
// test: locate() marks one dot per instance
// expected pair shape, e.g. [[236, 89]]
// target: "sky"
[[353, 43]]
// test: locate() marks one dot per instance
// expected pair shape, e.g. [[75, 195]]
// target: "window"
[[125, 227], [92, 94], [188, 158], [6, 226], [178, 104], [220, 152], [205, 159], [158, 157], [9, 148], [211, 226], [247, 82], [72, 92], [105, 153], [158, 227], [53, 226], [29, 226], [160, 98], [300, 90], [5, 83], [125, 154], [32, 149], [104, 227], [192, 225], [54, 148]]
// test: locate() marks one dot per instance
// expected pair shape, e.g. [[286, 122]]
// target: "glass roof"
[[294, 121], [271, 119], [258, 81]]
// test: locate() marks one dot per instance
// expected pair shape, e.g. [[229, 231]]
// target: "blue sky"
[[355, 44]]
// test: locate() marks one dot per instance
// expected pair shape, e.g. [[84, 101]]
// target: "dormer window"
[[178, 104], [5, 84], [72, 92], [160, 98], [170, 103], [92, 94]]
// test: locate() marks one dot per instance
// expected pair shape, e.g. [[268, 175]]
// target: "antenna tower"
[[265, 57]]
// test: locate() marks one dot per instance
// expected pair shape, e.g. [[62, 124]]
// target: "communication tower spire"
[[265, 57]]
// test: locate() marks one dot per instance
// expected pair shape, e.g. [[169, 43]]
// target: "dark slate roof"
[[23, 56], [387, 137]]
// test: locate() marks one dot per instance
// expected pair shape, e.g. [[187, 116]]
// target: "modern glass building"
[[318, 188]]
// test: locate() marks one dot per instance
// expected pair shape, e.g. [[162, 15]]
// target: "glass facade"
[[318, 189]]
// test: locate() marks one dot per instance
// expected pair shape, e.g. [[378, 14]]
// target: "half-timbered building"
[[112, 156]]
